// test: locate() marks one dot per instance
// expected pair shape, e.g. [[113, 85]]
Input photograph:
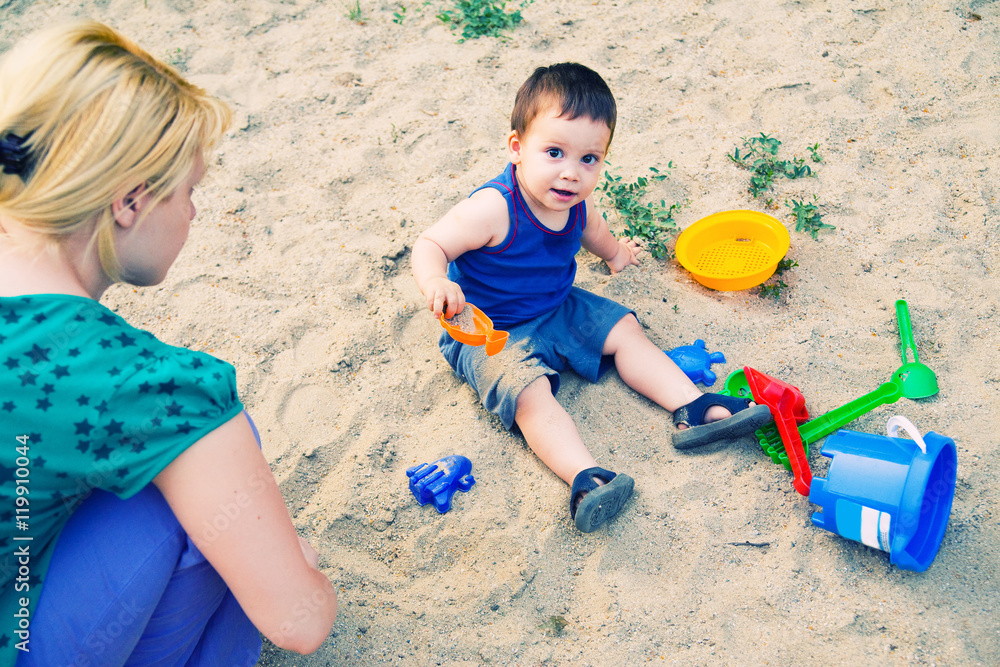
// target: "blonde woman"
[[139, 521]]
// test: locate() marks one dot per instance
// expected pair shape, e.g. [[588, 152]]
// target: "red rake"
[[788, 407]]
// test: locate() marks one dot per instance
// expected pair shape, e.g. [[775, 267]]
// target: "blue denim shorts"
[[569, 337]]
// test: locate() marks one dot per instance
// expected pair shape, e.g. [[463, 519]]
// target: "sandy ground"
[[351, 138]]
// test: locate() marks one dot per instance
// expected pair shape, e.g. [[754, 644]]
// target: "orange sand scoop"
[[473, 327]]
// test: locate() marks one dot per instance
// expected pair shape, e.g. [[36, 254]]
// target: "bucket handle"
[[893, 425]]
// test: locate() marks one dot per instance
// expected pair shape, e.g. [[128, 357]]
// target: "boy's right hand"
[[443, 297]]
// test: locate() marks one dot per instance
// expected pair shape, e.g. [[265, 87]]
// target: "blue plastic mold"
[[437, 482], [696, 362]]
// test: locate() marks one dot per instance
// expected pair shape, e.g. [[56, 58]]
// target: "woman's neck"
[[30, 264]]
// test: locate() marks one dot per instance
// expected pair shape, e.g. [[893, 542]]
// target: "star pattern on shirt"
[[168, 387], [38, 354], [108, 401]]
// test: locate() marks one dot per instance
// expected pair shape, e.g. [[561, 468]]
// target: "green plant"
[[676, 308], [354, 13], [807, 217], [814, 152], [760, 157], [651, 223], [785, 265], [399, 15], [480, 18], [773, 290]]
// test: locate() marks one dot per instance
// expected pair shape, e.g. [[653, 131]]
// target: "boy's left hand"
[[628, 254]]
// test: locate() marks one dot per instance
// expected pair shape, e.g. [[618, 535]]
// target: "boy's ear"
[[126, 208], [514, 147]]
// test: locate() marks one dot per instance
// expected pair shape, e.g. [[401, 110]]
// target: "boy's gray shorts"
[[571, 336]]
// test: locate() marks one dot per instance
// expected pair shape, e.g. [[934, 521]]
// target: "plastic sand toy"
[[890, 493], [824, 425], [736, 385], [733, 250], [696, 362], [437, 482], [912, 380], [788, 407], [918, 380], [473, 327]]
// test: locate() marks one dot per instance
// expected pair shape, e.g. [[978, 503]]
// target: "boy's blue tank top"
[[531, 272]]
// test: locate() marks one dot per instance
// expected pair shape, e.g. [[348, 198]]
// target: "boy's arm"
[[598, 239], [481, 220]]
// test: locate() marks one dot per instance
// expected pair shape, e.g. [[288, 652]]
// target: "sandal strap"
[[584, 482], [693, 414]]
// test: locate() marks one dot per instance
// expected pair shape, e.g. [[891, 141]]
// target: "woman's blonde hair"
[[98, 117]]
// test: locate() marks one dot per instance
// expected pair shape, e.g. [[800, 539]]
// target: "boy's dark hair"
[[580, 90]]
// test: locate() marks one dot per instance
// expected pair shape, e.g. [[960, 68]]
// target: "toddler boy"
[[510, 249]]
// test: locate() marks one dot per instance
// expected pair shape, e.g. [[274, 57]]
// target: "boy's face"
[[559, 160]]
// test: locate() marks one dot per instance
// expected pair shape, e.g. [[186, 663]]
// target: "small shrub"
[[760, 157], [354, 12], [807, 217], [650, 223], [483, 18], [775, 289]]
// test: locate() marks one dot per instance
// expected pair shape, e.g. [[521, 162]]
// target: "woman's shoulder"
[[127, 403], [79, 343], [59, 324]]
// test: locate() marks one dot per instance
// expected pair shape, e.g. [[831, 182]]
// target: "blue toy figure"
[[437, 482], [696, 362]]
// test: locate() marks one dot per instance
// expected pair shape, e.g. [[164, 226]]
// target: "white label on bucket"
[[875, 528]]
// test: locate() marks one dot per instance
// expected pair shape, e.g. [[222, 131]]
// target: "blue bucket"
[[890, 493]]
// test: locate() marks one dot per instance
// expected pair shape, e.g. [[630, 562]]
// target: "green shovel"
[[916, 379]]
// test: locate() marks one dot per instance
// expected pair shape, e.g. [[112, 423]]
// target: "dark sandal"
[[602, 501], [745, 419]]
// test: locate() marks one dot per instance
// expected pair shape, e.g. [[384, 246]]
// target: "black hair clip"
[[14, 157]]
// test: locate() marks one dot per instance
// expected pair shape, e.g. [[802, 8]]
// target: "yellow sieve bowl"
[[732, 250]]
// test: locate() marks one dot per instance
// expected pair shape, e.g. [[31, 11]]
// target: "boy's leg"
[[550, 431], [644, 367], [700, 418], [597, 495]]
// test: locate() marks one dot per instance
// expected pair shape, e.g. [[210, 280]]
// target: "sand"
[[350, 138]]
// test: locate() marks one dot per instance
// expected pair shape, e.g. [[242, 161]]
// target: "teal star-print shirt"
[[86, 401]]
